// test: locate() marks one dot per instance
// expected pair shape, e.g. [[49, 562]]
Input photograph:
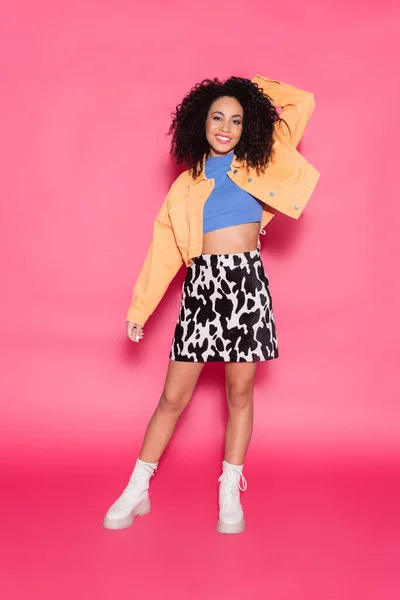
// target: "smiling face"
[[224, 125]]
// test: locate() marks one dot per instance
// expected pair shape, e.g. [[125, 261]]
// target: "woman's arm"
[[161, 264], [297, 106]]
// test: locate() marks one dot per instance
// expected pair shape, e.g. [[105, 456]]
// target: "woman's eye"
[[237, 122], [217, 118]]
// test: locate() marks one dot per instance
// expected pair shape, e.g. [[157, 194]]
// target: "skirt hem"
[[242, 360]]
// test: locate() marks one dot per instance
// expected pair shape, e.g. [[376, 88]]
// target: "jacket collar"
[[235, 164]]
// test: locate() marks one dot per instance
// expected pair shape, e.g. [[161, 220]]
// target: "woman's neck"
[[214, 155]]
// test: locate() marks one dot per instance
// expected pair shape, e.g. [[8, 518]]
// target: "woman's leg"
[[239, 396], [178, 389]]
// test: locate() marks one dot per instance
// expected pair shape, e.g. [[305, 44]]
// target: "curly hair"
[[189, 143]]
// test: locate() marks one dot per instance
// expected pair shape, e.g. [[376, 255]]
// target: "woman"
[[243, 166]]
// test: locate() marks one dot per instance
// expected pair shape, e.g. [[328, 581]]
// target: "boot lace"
[[140, 472], [233, 483]]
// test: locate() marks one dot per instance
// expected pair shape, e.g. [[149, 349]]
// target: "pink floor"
[[87, 93], [315, 531]]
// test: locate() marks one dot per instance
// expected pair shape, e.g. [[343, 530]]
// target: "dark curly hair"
[[189, 142]]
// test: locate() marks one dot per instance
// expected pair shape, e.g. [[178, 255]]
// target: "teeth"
[[221, 137]]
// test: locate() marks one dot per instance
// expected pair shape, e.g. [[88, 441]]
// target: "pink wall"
[[89, 88]]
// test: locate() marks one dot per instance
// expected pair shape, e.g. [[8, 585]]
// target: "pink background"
[[88, 89]]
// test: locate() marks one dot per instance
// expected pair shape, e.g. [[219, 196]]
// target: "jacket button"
[[272, 193], [235, 171], [296, 207], [250, 179]]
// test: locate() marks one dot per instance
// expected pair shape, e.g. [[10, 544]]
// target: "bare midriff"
[[231, 240]]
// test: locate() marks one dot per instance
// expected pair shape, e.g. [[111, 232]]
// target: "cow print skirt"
[[226, 311]]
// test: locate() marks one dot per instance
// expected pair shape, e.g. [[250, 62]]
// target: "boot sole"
[[231, 527], [142, 509]]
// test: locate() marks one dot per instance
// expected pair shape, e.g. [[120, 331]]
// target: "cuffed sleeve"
[[297, 106], [162, 262]]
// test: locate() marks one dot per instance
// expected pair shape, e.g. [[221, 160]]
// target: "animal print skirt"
[[226, 311]]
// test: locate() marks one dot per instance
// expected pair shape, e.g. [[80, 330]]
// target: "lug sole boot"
[[232, 482], [134, 500]]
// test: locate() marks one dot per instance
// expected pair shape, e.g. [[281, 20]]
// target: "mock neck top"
[[227, 204]]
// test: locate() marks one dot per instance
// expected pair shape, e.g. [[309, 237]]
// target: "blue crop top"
[[227, 204]]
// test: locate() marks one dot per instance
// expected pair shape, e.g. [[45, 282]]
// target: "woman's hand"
[[134, 331]]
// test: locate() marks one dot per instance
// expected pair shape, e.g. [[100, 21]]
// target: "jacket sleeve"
[[297, 106], [161, 264]]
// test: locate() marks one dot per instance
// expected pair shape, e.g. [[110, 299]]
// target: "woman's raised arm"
[[297, 106]]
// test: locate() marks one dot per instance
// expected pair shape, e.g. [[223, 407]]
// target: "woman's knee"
[[173, 401], [239, 395]]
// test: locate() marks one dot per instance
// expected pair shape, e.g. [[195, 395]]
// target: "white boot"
[[134, 500], [231, 519]]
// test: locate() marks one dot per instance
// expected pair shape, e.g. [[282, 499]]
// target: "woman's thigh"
[[181, 381]]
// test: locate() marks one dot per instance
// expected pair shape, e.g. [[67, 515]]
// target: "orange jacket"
[[285, 186]]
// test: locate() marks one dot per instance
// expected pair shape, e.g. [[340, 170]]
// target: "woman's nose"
[[226, 126]]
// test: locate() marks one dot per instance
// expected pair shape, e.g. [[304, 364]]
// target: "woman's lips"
[[222, 139]]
